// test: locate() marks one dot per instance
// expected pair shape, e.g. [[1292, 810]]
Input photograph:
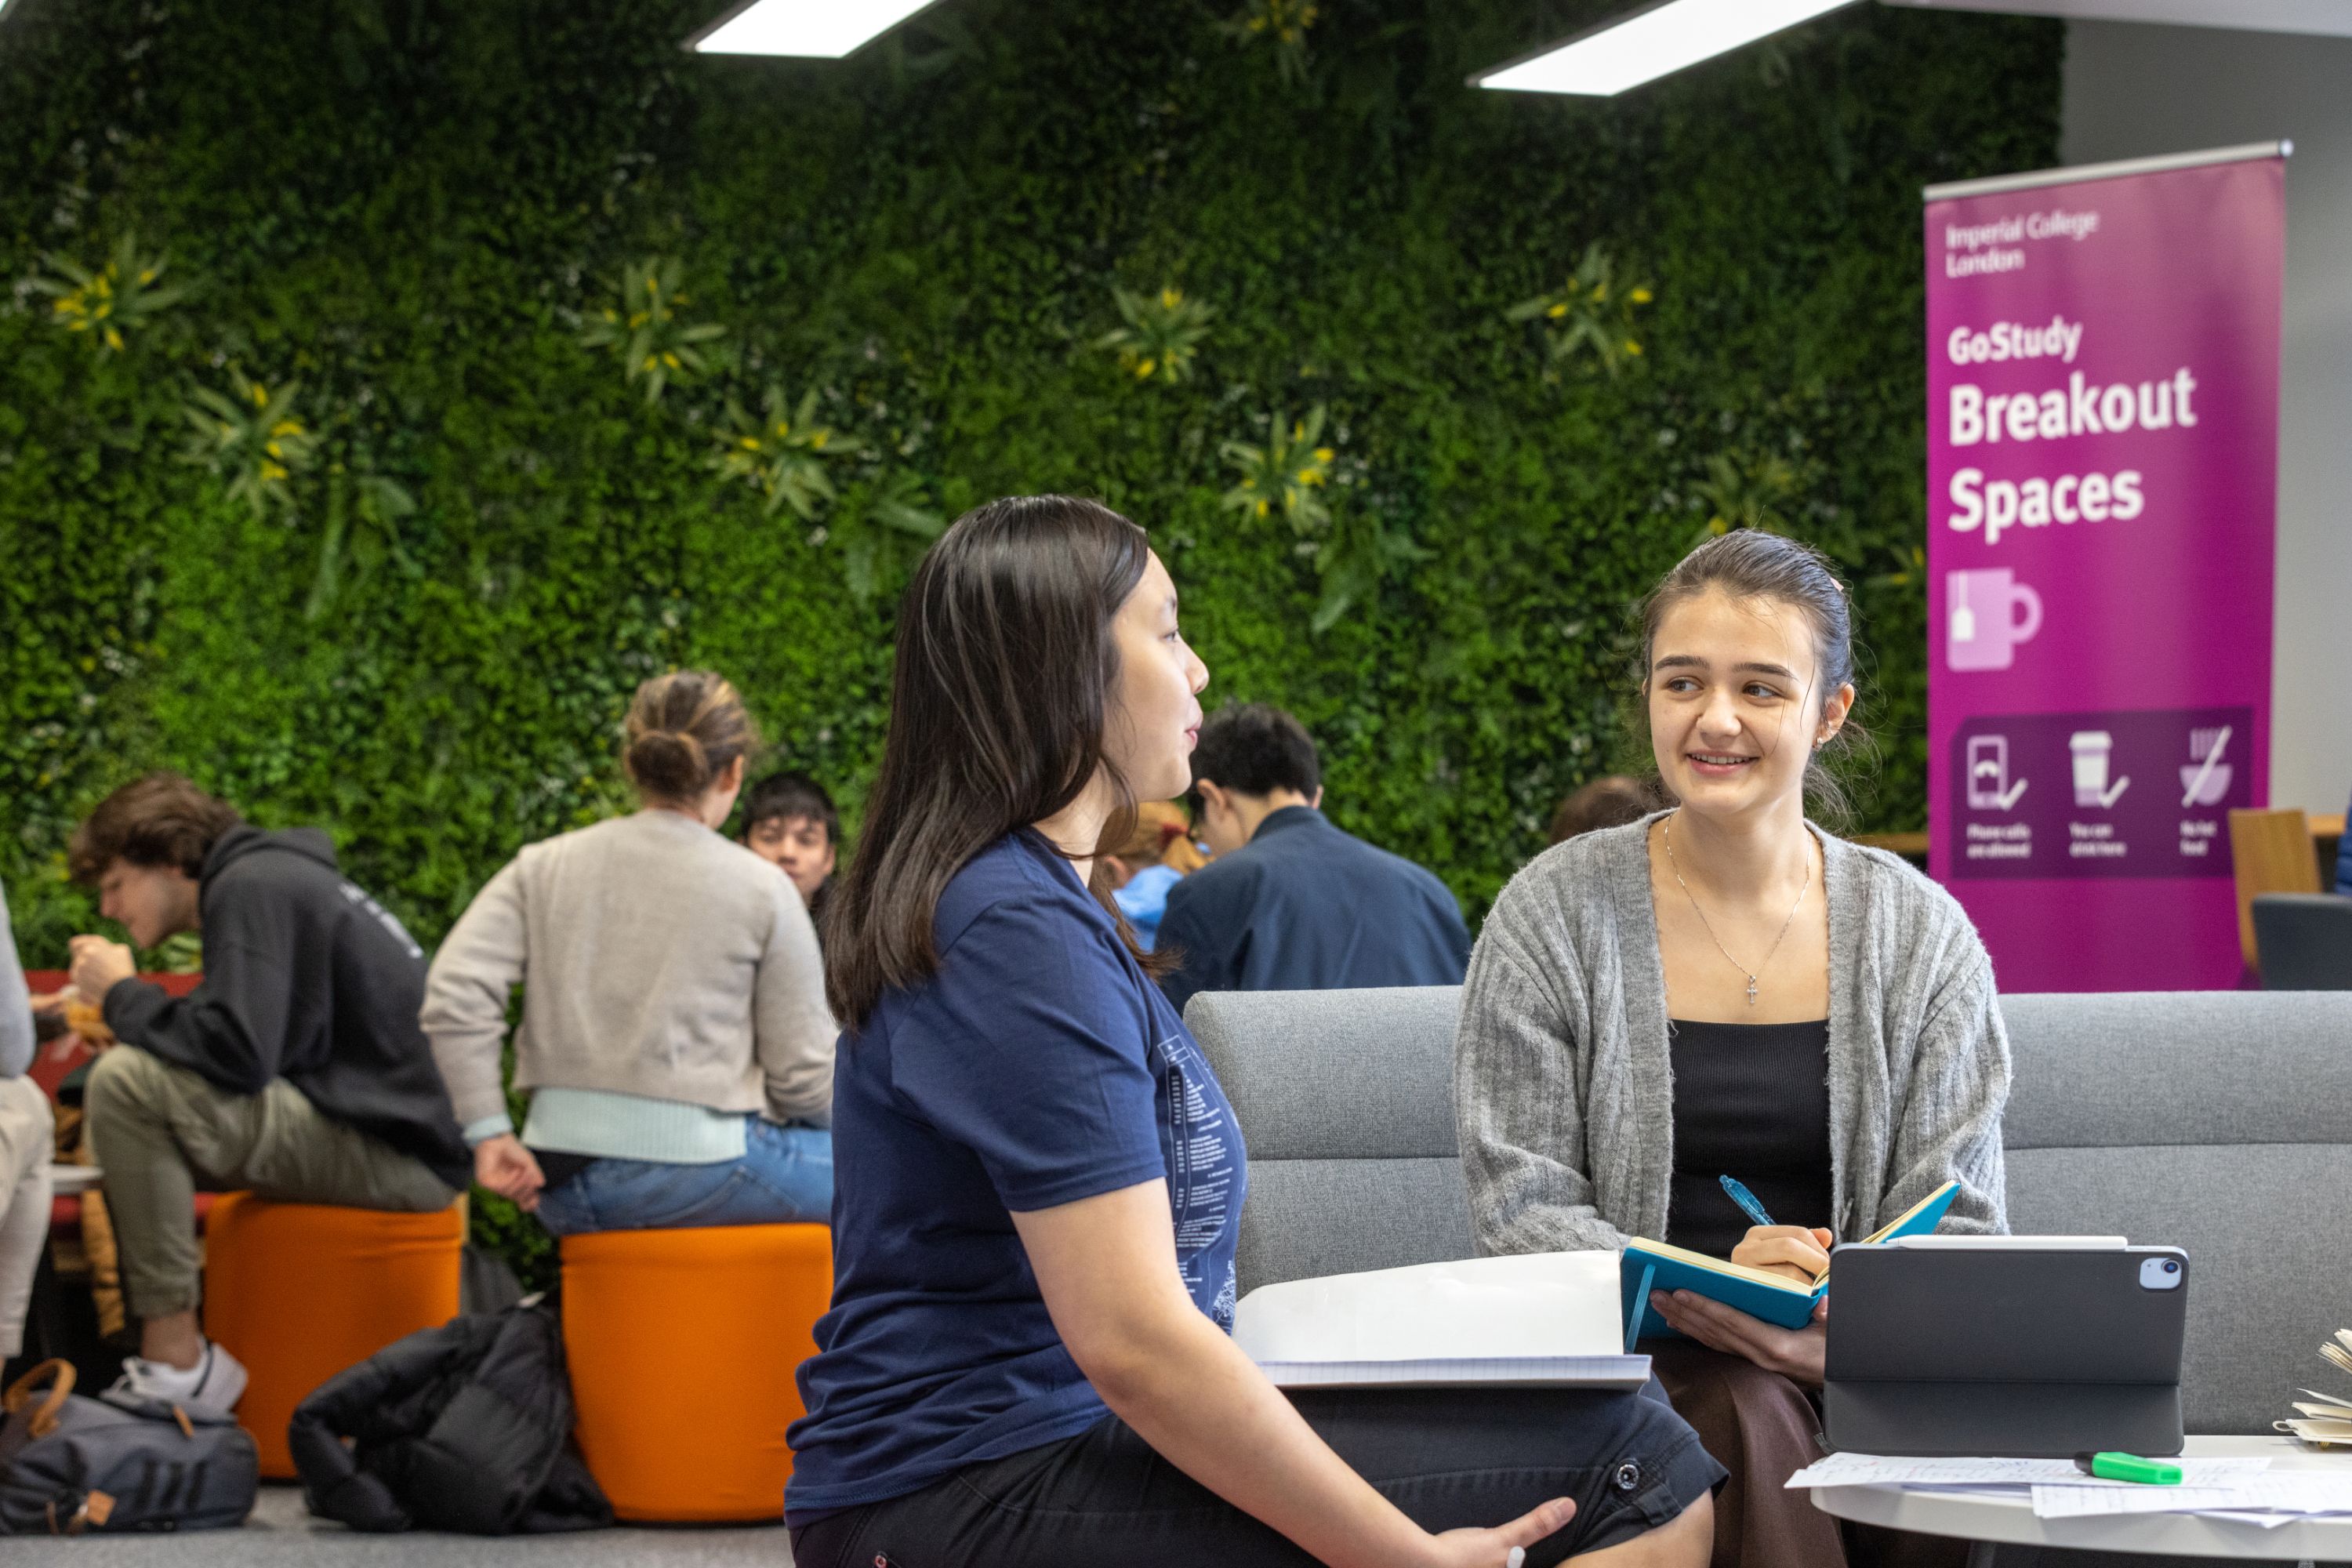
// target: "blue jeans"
[[786, 1177]]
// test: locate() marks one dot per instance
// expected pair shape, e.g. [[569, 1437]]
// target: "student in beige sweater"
[[675, 1036]]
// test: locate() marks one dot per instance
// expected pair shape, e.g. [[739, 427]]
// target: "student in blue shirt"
[[1038, 1180], [1145, 867]]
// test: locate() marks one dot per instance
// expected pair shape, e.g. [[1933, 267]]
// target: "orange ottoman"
[[299, 1292], [682, 1346]]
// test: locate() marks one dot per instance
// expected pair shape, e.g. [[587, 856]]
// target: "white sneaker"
[[216, 1380]]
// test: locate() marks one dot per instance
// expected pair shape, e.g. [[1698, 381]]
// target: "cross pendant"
[[1751, 991]]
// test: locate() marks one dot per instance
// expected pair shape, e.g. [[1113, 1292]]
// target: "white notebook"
[[1545, 1319]]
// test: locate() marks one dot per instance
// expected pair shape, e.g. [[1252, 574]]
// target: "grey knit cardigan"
[[1563, 1083]]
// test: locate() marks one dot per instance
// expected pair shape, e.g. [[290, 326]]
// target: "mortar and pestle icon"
[[2093, 748]]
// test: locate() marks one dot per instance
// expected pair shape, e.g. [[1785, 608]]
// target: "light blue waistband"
[[616, 1126]]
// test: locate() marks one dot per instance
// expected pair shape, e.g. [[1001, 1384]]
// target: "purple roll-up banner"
[[2103, 377]]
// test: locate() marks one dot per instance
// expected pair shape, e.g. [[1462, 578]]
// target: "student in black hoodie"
[[296, 1069]]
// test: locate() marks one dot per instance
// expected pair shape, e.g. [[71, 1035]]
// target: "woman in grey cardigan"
[[1724, 989]]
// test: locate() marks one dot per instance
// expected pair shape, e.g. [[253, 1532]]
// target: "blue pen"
[[1746, 1200]]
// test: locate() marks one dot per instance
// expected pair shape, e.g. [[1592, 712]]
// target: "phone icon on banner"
[[1989, 786]]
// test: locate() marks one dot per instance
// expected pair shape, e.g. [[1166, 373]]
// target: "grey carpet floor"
[[281, 1534]]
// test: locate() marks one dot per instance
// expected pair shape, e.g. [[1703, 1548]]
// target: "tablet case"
[[2003, 1354]]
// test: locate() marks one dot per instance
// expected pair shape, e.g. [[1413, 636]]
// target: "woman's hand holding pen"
[[1791, 1251]]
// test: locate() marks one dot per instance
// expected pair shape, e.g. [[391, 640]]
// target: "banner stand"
[[2103, 376]]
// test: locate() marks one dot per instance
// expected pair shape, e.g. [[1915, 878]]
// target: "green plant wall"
[[409, 216]]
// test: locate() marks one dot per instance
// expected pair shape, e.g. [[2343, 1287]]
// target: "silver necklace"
[[1676, 867]]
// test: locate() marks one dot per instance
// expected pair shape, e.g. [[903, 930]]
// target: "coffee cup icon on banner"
[[2094, 754], [1983, 625]]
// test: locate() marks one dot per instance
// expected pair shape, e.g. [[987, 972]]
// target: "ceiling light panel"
[[1650, 44], [812, 29]]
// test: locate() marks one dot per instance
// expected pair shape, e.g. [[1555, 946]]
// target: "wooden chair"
[[2270, 852]]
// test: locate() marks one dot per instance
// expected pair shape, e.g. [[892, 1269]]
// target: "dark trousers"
[[1448, 1457]]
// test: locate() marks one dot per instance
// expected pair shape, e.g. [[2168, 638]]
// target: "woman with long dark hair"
[[1038, 1180], [1725, 988]]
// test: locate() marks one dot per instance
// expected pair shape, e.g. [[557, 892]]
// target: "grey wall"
[[2134, 90]]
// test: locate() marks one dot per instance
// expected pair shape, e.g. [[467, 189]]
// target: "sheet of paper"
[[1527, 1304], [2280, 1491], [2078, 1502], [1875, 1470]]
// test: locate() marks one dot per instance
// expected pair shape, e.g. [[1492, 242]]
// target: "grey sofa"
[[2221, 1122]]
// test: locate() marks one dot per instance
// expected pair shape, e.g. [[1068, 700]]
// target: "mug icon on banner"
[[1990, 788], [2206, 780], [2093, 750], [1981, 628]]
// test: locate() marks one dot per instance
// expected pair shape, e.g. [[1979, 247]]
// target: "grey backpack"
[[118, 1464]]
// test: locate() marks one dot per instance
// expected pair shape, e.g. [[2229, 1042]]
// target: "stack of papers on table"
[[2241, 1488], [2326, 1421]]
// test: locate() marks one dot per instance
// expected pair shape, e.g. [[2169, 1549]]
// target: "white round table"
[[2009, 1520]]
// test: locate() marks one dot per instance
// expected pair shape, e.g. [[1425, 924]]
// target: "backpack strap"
[[45, 1419]]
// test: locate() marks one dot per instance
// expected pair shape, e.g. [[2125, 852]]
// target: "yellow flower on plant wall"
[[122, 292], [1589, 315], [251, 439], [782, 452], [656, 344], [1162, 333], [1287, 470], [1283, 24], [1352, 553]]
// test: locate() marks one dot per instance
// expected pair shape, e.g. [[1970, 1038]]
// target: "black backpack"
[[463, 1427], [118, 1464]]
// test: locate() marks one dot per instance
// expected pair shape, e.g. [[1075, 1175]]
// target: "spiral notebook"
[[1540, 1320]]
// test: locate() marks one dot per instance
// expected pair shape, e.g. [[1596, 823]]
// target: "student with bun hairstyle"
[[1725, 988], [1027, 1362], [674, 1038]]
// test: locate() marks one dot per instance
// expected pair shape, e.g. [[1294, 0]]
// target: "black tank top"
[[1751, 1101]]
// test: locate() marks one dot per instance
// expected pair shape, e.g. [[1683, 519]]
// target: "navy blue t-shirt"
[[1038, 1067]]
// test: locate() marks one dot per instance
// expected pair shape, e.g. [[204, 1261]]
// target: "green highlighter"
[[2128, 1468]]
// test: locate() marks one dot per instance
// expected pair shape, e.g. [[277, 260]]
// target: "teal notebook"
[[1649, 1266]]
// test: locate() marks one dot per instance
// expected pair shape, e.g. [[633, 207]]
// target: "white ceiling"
[[2332, 18]]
